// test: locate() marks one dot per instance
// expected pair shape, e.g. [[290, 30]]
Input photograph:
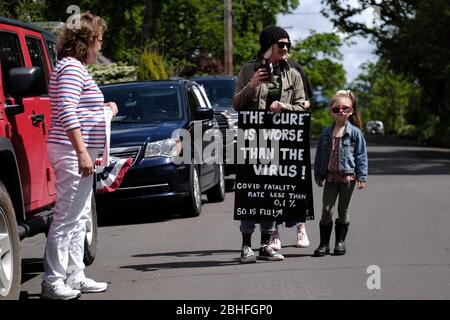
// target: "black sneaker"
[[267, 253], [247, 255]]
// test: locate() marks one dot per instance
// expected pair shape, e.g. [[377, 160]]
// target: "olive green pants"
[[330, 193]]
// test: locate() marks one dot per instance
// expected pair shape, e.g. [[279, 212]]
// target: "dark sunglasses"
[[344, 108], [281, 45]]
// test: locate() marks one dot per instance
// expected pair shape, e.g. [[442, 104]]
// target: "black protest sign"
[[273, 172]]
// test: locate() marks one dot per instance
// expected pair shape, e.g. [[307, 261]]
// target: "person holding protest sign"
[[340, 165], [267, 83]]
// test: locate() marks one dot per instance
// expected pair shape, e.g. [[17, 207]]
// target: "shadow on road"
[[185, 264], [192, 264], [31, 268]]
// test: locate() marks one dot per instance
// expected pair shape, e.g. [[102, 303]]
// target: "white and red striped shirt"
[[77, 102]]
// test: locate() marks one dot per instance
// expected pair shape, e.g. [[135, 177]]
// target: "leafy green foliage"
[[151, 66], [191, 29], [383, 95], [321, 118], [24, 10], [110, 73], [412, 39], [319, 55]]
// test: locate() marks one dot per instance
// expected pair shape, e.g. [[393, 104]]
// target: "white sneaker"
[[63, 292], [275, 241], [268, 253], [87, 285], [302, 239], [247, 255]]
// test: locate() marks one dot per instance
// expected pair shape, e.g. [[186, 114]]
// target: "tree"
[[24, 10], [186, 32], [124, 20], [412, 38], [189, 29], [384, 95], [319, 55]]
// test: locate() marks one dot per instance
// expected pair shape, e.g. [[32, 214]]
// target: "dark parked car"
[[150, 112], [220, 91]]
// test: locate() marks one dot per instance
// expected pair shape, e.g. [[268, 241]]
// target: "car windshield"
[[220, 92], [144, 103]]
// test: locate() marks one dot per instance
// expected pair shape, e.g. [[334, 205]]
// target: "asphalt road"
[[398, 244]]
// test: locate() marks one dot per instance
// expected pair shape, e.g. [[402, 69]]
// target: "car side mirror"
[[26, 82], [204, 114]]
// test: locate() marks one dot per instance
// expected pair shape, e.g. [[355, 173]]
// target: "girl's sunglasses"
[[345, 109], [281, 44]]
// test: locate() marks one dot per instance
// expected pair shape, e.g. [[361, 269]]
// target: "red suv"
[[27, 182]]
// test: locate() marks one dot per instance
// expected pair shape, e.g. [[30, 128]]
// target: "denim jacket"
[[352, 153]]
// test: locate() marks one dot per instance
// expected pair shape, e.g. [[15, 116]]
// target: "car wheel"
[[90, 242], [217, 193], [10, 261], [193, 202]]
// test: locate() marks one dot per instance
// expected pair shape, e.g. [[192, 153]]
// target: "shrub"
[[151, 66], [113, 72]]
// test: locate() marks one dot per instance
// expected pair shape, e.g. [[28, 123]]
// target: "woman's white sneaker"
[[62, 292], [275, 241], [87, 285], [302, 238]]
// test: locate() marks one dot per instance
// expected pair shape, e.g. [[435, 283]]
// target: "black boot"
[[324, 246], [341, 232]]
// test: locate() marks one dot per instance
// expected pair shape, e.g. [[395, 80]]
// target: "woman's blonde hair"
[[76, 41], [354, 118]]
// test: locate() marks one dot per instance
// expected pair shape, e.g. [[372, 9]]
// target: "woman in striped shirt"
[[76, 137]]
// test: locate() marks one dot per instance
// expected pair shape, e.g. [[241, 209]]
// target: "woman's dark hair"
[[76, 41]]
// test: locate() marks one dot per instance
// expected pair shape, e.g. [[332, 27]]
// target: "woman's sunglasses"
[[281, 45], [345, 109]]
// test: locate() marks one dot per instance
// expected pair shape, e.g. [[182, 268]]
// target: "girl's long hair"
[[354, 118]]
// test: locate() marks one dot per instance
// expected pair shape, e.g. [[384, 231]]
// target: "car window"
[[219, 92], [51, 49], [38, 59], [10, 57], [145, 104]]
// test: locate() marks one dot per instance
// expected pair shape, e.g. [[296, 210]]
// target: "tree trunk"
[[152, 10]]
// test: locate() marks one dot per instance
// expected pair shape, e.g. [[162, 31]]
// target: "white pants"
[[65, 242]]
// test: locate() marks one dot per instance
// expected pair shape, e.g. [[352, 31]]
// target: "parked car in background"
[[149, 113], [220, 91], [375, 127]]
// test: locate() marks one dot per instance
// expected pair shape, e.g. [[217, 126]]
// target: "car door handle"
[[36, 118]]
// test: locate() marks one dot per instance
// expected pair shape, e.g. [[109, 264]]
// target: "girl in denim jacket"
[[340, 165]]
